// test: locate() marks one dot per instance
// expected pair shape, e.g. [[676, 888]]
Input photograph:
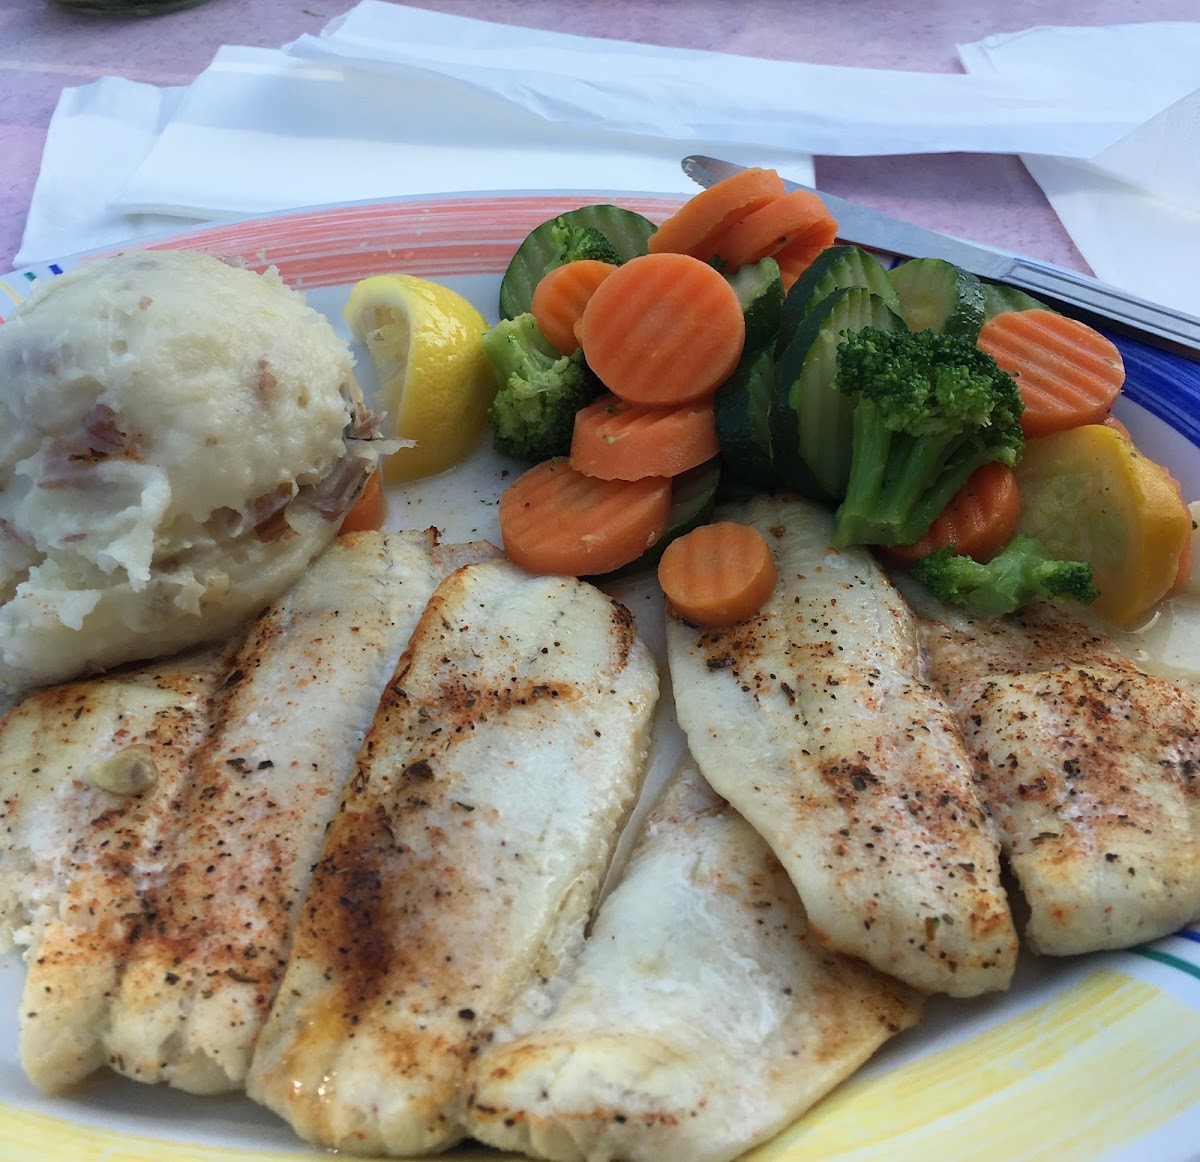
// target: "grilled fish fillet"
[[166, 951], [71, 851], [199, 981], [1089, 767], [811, 718], [458, 874], [700, 1019]]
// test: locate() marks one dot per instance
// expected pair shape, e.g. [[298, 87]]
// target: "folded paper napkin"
[[1132, 208], [104, 130], [391, 100]]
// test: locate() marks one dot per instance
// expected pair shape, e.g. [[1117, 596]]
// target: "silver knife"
[[1075, 294]]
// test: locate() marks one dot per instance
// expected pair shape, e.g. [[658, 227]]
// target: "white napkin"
[[724, 99], [103, 130], [1133, 208], [260, 130], [1162, 156], [391, 100]]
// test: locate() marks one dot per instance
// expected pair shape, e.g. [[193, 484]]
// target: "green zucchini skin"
[[834, 268], [626, 230], [998, 298], [759, 289], [811, 421], [742, 412], [936, 295]]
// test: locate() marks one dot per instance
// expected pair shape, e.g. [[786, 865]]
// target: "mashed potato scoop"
[[178, 439]]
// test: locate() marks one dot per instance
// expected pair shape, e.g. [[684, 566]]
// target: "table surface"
[[990, 198]]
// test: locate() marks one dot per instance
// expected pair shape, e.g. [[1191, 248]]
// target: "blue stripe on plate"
[[1166, 385]]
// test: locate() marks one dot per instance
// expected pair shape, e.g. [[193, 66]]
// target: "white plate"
[[1089, 1058]]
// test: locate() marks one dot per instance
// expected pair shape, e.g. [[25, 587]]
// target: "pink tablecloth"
[[44, 47]]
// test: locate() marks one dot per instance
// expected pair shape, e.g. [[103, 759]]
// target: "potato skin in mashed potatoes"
[[178, 439]]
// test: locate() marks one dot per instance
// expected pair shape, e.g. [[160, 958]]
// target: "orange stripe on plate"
[[430, 238]]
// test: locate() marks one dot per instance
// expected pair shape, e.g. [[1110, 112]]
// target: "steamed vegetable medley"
[[963, 430]]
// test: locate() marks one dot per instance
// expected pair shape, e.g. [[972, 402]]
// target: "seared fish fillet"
[[811, 718], [1090, 770], [291, 716], [459, 872], [166, 951], [701, 1017], [73, 852]]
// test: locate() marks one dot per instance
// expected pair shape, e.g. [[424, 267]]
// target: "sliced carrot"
[[1069, 374], [979, 520], [615, 440], [794, 259], [799, 218], [560, 296], [718, 574], [1111, 421], [697, 224], [663, 330], [556, 520], [368, 510]]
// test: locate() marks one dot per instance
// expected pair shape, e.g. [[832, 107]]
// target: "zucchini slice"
[[998, 298], [626, 230], [834, 268], [742, 410], [811, 421], [936, 295], [759, 288]]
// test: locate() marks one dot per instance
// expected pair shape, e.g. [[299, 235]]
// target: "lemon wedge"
[[435, 382]]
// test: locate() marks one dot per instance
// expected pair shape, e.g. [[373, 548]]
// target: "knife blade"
[[1076, 294]]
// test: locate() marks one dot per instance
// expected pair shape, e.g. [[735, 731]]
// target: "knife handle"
[[1104, 307]]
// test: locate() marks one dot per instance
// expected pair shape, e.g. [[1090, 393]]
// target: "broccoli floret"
[[575, 242], [930, 409], [540, 391], [1021, 571]]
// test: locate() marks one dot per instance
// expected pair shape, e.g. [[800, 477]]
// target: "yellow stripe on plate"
[[1082, 1074], [1074, 1078], [26, 1134], [12, 294]]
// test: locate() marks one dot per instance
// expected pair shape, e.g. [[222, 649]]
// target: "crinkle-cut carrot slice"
[[369, 510], [663, 330], [797, 219], [1068, 373], [560, 296], [554, 520], [718, 574], [695, 227], [978, 522], [615, 440]]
